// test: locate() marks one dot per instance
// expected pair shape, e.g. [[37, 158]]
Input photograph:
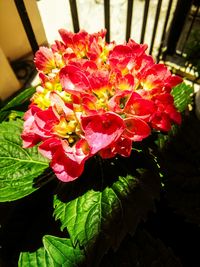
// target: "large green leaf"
[[57, 252], [99, 220], [18, 167], [182, 96]]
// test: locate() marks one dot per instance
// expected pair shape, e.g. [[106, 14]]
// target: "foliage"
[[18, 167], [182, 96], [97, 221], [15, 104], [56, 252]]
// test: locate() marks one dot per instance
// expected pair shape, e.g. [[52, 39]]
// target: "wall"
[[8, 81], [14, 43], [13, 38]]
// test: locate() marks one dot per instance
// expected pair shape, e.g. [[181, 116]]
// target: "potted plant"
[[85, 147]]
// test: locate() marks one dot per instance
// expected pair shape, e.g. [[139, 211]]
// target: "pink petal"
[[29, 135], [65, 168], [79, 152], [59, 104]]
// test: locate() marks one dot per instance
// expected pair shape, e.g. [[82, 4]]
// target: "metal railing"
[[170, 31], [75, 20], [182, 47]]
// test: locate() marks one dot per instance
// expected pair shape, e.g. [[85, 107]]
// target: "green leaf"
[[15, 114], [63, 252], [16, 102], [182, 96], [18, 166], [39, 258], [9, 115], [19, 99], [99, 220], [57, 252]]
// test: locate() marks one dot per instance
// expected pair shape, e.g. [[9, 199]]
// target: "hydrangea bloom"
[[96, 97]]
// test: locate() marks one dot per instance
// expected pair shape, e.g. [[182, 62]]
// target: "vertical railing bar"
[[165, 27], [145, 14], [155, 25], [21, 8], [177, 25], [129, 19], [74, 13], [107, 18], [189, 31]]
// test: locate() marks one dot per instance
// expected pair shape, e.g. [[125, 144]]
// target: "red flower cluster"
[[96, 97]]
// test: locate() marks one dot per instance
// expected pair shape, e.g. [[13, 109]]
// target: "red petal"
[[137, 49], [44, 60], [107, 153], [159, 76], [45, 121], [161, 122], [118, 101], [122, 147], [30, 139], [138, 106], [49, 147], [74, 79], [102, 130], [66, 36], [66, 169], [174, 115], [136, 129], [68, 162]]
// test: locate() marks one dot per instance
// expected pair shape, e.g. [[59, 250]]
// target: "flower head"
[[96, 98]]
